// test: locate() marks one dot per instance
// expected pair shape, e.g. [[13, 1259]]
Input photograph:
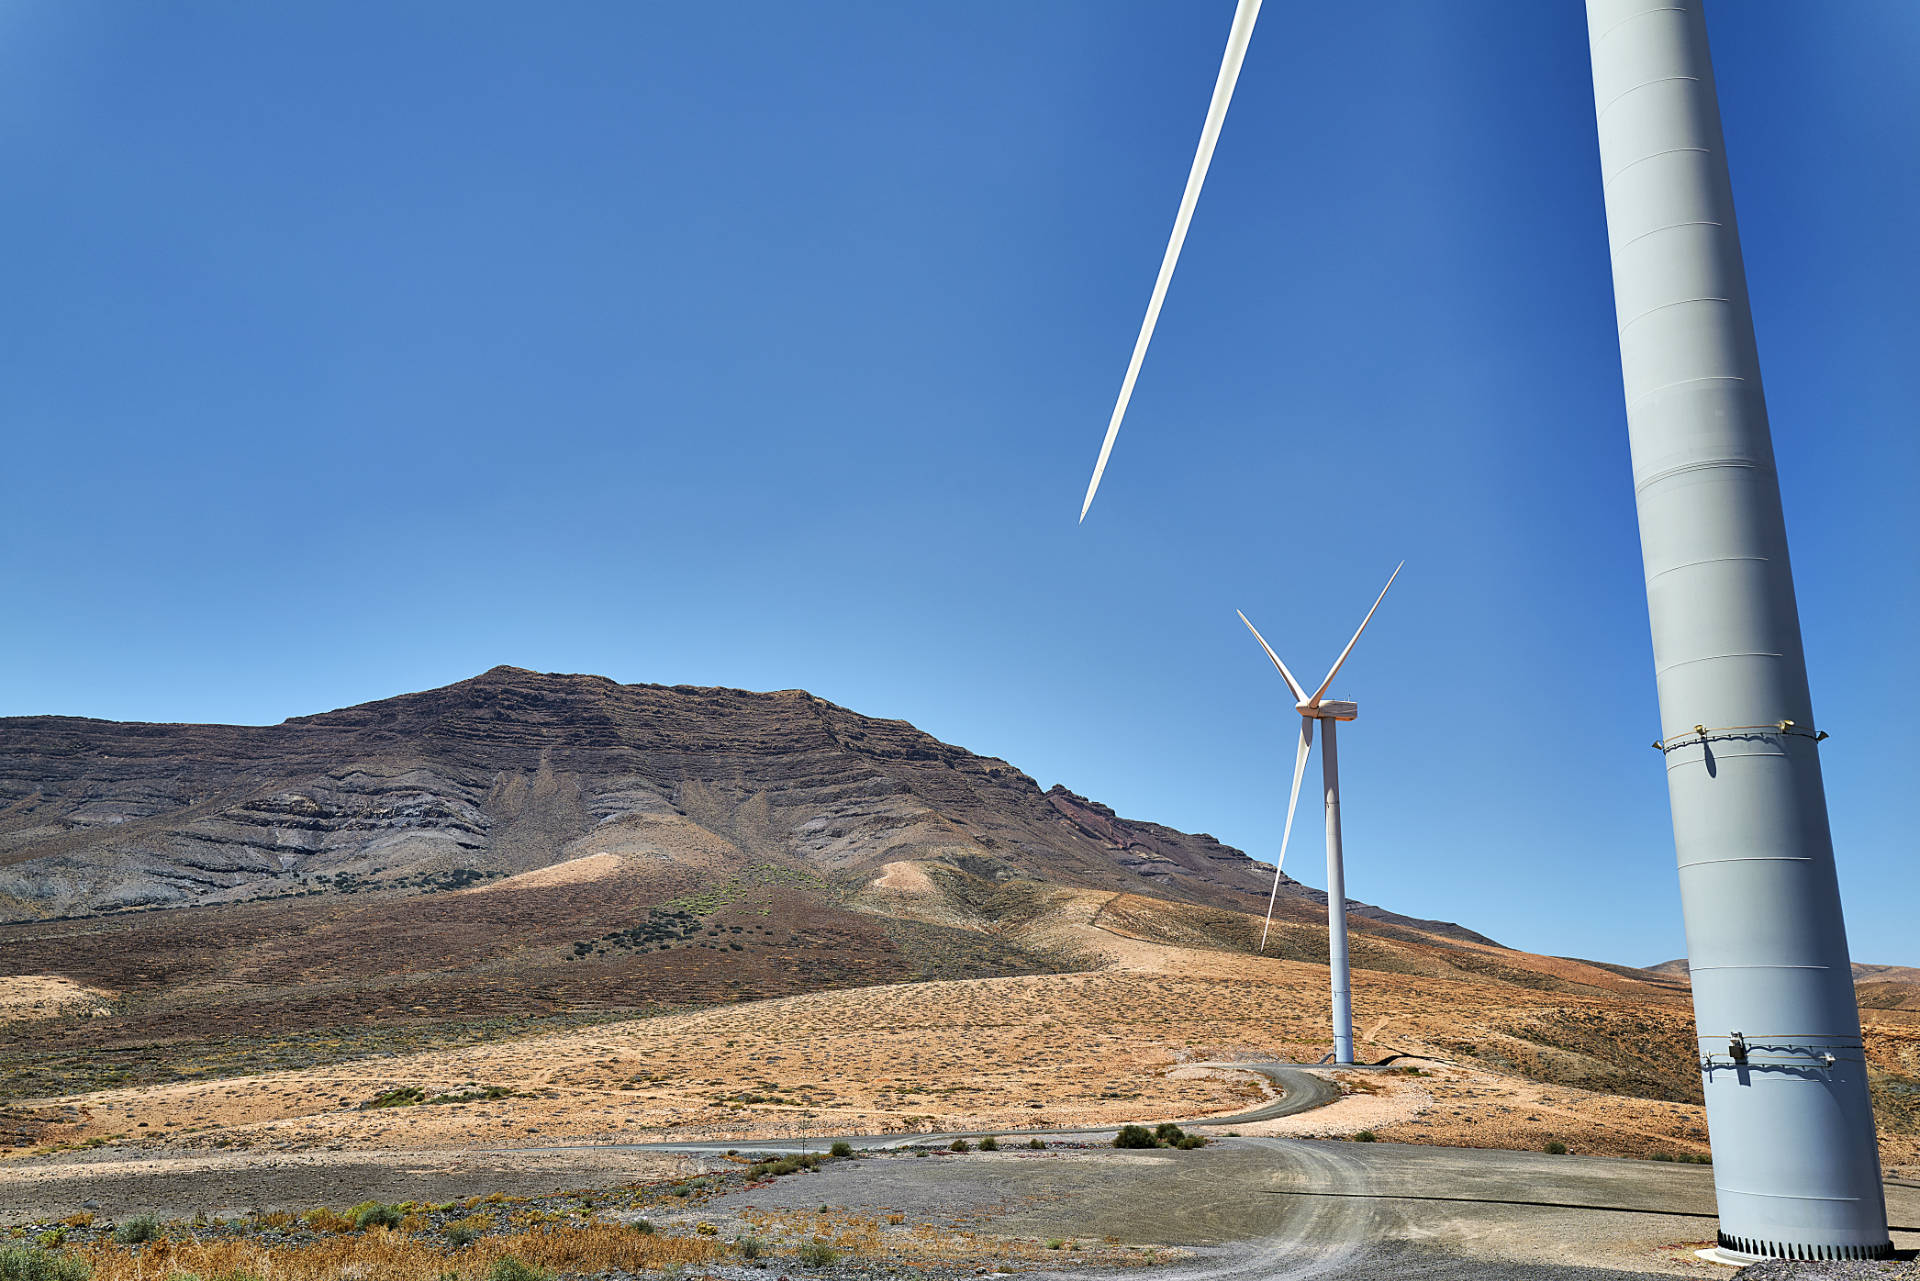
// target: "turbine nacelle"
[[1328, 709]]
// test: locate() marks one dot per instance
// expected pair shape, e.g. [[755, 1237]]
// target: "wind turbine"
[[1318, 707]]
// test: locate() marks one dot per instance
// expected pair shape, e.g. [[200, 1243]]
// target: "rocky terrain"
[[515, 770]]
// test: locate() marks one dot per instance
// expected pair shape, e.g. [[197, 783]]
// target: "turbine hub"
[[1330, 709]]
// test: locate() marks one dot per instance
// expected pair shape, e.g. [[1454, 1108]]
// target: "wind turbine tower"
[[1795, 1163], [1329, 713]]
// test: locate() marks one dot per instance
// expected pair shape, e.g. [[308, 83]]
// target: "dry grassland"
[[1566, 1052], [396, 1256]]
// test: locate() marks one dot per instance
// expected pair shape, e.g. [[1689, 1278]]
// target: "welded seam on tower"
[[1654, 155]]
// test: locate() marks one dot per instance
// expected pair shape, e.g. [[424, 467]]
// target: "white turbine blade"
[[1237, 38], [1286, 833], [1299, 695], [1318, 694]]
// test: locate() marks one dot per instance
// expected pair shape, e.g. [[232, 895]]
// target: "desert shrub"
[[375, 1214], [643, 1226], [18, 1264], [1056, 1243], [324, 1220], [1188, 1142], [1135, 1136], [990, 1144], [403, 1097], [817, 1254], [841, 1148], [508, 1268], [960, 1145], [751, 1247], [1663, 1156], [140, 1229], [51, 1239], [1366, 1136], [1038, 1145], [464, 1232], [1555, 1148], [1167, 1132]]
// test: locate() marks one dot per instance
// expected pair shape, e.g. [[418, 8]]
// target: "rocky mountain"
[[514, 771]]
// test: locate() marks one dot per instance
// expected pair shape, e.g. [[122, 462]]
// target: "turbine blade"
[[1320, 693], [1237, 38], [1286, 833], [1299, 695]]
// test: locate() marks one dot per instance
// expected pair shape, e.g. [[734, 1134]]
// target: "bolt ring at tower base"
[[1741, 1250]]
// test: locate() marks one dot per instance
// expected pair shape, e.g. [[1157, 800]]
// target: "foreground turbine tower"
[[1796, 1165]]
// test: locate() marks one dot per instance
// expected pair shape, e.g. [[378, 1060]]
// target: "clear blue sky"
[[351, 349]]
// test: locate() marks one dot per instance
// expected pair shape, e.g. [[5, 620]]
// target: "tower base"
[[1742, 1251]]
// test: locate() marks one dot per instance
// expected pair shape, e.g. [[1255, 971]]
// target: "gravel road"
[[1255, 1209]]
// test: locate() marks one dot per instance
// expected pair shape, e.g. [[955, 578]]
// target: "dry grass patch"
[[392, 1256]]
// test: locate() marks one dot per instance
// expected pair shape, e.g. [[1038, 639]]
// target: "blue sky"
[[353, 349]]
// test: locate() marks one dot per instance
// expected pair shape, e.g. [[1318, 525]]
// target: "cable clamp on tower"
[[1702, 734]]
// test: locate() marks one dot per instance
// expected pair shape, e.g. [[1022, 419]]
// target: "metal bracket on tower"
[[1789, 1052], [1701, 734]]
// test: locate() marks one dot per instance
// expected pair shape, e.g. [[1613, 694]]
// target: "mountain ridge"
[[501, 773]]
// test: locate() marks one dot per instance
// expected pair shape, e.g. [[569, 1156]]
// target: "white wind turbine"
[[1318, 707]]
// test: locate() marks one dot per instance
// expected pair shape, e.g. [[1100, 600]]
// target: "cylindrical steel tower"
[[1796, 1165], [1336, 897]]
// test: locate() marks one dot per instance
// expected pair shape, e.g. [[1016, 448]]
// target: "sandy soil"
[[179, 1184], [45, 996], [906, 878], [590, 867]]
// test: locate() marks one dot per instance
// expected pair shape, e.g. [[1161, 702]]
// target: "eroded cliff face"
[[516, 770]]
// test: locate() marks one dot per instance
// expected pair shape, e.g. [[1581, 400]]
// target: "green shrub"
[[1663, 1156], [1135, 1136], [841, 1148], [375, 1214], [139, 1230], [1038, 1145], [990, 1144], [1188, 1142], [1366, 1136], [815, 1254], [20, 1264], [1055, 1243], [960, 1145], [51, 1239], [643, 1227], [511, 1269], [404, 1097], [1167, 1132], [1555, 1148], [751, 1247]]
